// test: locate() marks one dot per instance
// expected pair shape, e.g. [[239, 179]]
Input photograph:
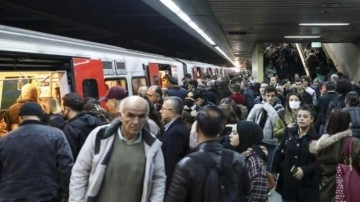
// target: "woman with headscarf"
[[246, 138]]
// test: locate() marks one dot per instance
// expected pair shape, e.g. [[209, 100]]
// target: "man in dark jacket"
[[323, 104], [190, 174], [306, 97], [174, 135], [175, 89], [79, 123], [35, 160]]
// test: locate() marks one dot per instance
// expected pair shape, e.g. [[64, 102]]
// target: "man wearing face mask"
[[78, 123], [190, 104]]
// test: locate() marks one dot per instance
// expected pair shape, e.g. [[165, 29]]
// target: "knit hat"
[[249, 133], [31, 109], [116, 92]]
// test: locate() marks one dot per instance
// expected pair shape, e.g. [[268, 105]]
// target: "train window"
[[90, 88], [11, 90], [107, 65], [120, 65], [137, 82], [110, 82]]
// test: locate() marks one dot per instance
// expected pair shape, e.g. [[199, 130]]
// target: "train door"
[[88, 77], [153, 72], [216, 71], [157, 71], [209, 71], [197, 73]]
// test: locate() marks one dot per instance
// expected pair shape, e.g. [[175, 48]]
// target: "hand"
[[299, 173], [291, 125]]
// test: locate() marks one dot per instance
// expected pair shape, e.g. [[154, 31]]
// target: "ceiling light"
[[174, 8], [302, 37], [324, 24], [224, 54]]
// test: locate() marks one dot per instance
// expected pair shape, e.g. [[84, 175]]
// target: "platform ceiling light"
[[174, 8], [302, 37], [227, 57], [325, 24]]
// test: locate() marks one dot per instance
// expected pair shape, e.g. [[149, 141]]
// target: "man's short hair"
[[187, 75], [173, 81], [193, 83], [352, 98], [330, 86], [343, 86], [210, 121], [199, 93], [298, 80], [176, 103], [334, 77], [269, 89], [306, 78], [132, 100], [74, 101], [245, 83]]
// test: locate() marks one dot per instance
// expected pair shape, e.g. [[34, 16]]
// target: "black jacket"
[[175, 146], [323, 104], [293, 151], [189, 175], [78, 128], [35, 163]]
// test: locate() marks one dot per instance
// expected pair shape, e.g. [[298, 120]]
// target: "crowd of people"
[[179, 142]]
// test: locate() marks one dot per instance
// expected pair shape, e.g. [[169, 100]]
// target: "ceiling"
[[147, 25]]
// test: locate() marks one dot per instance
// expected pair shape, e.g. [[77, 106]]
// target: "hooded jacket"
[[255, 116], [89, 169], [329, 150]]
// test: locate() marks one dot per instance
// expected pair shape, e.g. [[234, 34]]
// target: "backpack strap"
[[98, 137], [259, 152]]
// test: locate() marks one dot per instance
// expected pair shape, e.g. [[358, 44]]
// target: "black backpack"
[[219, 186]]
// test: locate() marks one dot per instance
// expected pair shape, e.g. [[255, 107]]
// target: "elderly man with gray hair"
[[174, 135], [121, 161]]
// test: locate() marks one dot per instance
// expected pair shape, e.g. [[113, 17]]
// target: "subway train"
[[59, 65]]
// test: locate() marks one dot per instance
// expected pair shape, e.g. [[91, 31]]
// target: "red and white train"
[[70, 65]]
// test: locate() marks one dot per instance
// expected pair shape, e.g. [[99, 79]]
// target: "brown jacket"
[[329, 150]]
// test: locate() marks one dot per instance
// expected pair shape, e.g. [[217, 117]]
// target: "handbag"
[[271, 180], [347, 178]]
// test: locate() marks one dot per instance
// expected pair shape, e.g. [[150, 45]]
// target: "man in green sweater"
[[121, 161]]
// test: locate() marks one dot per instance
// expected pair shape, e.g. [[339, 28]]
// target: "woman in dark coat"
[[298, 169], [330, 151]]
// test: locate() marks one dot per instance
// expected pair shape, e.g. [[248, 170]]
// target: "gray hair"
[[176, 103], [130, 100]]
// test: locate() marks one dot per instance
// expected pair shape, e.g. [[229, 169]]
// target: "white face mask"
[[294, 104]]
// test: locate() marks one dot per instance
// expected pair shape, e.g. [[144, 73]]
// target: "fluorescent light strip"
[[302, 37], [227, 57], [324, 24], [174, 8]]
